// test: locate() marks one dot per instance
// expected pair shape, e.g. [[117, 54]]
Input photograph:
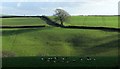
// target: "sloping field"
[[60, 42]]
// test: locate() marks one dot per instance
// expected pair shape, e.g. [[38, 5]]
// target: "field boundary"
[[22, 26], [69, 27], [52, 23], [95, 28]]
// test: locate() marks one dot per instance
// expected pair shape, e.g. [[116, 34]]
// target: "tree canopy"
[[61, 16]]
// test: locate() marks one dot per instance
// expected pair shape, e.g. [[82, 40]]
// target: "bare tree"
[[61, 16]]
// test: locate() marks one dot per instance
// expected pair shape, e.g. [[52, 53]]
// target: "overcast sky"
[[47, 7]]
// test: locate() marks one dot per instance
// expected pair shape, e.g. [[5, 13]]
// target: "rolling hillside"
[[29, 45]]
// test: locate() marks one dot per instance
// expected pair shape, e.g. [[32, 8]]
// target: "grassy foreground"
[[100, 62]]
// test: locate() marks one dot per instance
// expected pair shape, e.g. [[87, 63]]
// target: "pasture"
[[104, 21], [59, 42], [55, 41]]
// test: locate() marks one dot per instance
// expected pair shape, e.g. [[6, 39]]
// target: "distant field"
[[105, 21], [22, 21]]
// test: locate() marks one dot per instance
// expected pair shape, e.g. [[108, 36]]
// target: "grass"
[[28, 62], [22, 21], [60, 42], [105, 21], [55, 41]]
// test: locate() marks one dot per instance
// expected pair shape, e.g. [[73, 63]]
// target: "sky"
[[47, 7]]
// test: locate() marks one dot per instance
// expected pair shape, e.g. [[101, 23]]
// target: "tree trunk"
[[62, 23]]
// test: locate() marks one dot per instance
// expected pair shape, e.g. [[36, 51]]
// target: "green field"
[[60, 42], [104, 21], [56, 41], [22, 21]]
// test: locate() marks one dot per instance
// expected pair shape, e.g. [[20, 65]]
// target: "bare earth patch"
[[8, 54]]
